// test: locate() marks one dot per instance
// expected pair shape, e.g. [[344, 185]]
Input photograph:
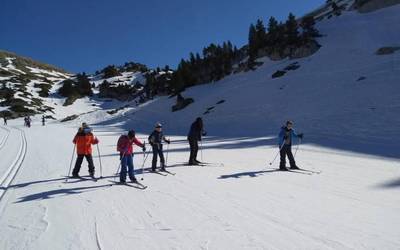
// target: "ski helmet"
[[158, 125]]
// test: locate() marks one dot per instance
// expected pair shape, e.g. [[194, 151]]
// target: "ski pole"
[[277, 153], [166, 160], [101, 167], [297, 148], [201, 150], [120, 165], [70, 165], [144, 161]]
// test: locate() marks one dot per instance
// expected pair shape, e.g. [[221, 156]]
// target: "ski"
[[81, 178], [157, 172], [168, 172], [131, 184], [294, 171], [309, 171], [205, 164]]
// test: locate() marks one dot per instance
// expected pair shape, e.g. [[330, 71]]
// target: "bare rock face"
[[387, 50], [365, 6], [305, 51]]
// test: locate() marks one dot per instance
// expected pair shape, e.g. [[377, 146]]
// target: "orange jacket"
[[84, 143]]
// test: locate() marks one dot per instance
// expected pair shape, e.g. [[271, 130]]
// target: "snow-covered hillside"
[[344, 98]]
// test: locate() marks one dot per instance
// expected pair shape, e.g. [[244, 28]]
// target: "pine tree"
[[252, 43], [261, 34], [292, 33], [273, 32]]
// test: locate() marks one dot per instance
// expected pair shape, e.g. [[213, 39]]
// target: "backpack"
[[122, 142]]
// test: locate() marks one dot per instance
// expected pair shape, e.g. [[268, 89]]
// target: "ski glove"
[[300, 136], [204, 133]]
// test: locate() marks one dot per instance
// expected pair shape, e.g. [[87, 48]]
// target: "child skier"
[[84, 140], [125, 148], [155, 140], [286, 136]]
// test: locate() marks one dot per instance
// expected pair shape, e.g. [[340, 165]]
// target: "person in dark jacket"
[[84, 140], [5, 119], [194, 136], [286, 136], [43, 120], [155, 139]]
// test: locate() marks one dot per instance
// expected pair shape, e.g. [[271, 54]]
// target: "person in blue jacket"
[[286, 136]]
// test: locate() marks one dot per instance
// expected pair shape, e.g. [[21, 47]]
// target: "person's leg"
[[282, 152], [195, 150], [89, 160], [122, 174], [78, 164], [161, 154], [291, 158], [154, 162], [191, 151], [131, 171]]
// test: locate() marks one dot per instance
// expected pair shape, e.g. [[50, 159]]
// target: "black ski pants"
[[157, 151], [286, 150], [194, 148], [79, 161]]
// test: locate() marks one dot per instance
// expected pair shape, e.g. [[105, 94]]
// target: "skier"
[[155, 140], [84, 140], [5, 120], [28, 121], [43, 120], [286, 136], [125, 148], [194, 136]]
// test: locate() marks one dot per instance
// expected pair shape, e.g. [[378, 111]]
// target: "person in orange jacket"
[[84, 140]]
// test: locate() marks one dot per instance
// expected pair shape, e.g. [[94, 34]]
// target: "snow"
[[238, 202], [47, 72]]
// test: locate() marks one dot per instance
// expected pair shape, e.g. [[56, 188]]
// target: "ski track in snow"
[[15, 166], [5, 137]]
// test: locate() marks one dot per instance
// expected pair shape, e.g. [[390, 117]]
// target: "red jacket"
[[84, 143], [125, 145]]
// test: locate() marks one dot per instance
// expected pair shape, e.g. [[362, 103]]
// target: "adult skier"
[[155, 139], [194, 136], [84, 140], [43, 120], [286, 136], [5, 120], [125, 148]]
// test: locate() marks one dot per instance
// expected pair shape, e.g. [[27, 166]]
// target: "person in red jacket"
[[125, 148], [84, 140]]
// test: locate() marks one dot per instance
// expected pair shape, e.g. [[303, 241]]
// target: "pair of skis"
[[134, 184], [300, 171]]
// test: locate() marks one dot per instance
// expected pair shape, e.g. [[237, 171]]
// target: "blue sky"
[[86, 35]]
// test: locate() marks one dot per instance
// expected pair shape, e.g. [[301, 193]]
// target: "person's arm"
[[94, 140], [137, 142], [300, 135], [75, 139], [166, 140]]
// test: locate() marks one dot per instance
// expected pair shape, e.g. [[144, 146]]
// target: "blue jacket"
[[290, 135]]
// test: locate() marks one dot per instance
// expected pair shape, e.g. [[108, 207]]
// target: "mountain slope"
[[344, 98], [25, 84]]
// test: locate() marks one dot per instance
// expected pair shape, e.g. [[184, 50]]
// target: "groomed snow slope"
[[351, 135]]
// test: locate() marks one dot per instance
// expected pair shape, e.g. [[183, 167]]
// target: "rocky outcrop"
[[365, 6]]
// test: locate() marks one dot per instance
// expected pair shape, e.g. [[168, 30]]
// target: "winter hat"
[[289, 122], [158, 125], [131, 133], [84, 125]]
